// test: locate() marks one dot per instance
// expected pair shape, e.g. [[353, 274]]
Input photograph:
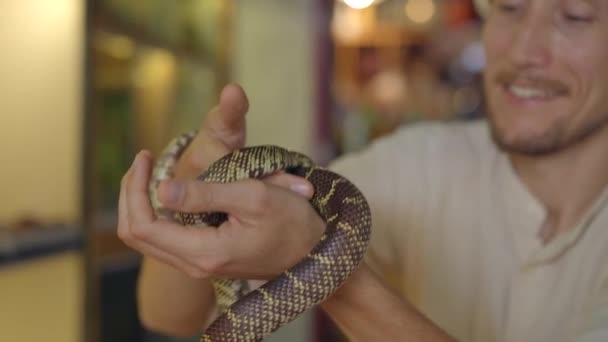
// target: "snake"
[[252, 314]]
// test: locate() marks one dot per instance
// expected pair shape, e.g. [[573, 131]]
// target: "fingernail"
[[138, 162], [134, 163], [139, 156], [175, 192], [301, 188]]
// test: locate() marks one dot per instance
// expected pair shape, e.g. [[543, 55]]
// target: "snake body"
[[251, 315]]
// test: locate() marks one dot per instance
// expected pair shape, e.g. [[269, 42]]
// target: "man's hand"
[[222, 131], [271, 225]]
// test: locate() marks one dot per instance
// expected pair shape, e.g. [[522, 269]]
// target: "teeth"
[[528, 93]]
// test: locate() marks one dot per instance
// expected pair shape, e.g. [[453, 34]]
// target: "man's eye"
[[506, 6], [578, 18]]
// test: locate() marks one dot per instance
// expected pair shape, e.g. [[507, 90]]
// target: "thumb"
[[294, 183], [222, 131], [226, 121]]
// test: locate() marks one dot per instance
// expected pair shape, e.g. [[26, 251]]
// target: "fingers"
[[204, 251], [163, 234], [138, 203], [296, 184], [123, 221], [125, 234], [154, 235], [239, 198]]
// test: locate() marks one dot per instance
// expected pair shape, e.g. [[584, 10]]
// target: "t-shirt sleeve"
[[391, 174]]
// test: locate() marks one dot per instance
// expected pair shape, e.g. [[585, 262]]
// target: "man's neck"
[[566, 183]]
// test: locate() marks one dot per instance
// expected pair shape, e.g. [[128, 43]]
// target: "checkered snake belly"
[[250, 315]]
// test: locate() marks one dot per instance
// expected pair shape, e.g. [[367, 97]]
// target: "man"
[[482, 231]]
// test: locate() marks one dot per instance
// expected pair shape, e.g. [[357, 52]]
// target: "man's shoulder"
[[463, 139], [422, 149]]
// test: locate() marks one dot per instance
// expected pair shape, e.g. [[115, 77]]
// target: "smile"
[[530, 93], [524, 92]]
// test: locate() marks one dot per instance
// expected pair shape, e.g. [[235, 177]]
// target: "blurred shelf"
[[107, 21], [382, 36], [110, 253], [22, 245]]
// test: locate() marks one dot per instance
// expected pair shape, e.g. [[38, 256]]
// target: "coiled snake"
[[252, 315]]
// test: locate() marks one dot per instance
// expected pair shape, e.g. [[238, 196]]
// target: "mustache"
[[531, 79]]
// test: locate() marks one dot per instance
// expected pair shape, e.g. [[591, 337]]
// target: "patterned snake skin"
[[251, 315]]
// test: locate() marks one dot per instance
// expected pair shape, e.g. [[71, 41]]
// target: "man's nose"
[[531, 44]]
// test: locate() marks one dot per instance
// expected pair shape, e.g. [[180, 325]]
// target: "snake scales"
[[251, 315]]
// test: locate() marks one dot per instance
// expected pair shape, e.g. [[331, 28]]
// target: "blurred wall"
[[273, 59], [41, 300], [40, 120], [40, 108]]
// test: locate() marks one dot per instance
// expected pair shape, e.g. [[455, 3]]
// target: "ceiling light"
[[359, 4]]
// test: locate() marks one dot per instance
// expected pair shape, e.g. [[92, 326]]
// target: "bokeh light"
[[420, 11], [359, 4]]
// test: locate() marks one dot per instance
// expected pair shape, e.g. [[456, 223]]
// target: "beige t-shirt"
[[455, 231]]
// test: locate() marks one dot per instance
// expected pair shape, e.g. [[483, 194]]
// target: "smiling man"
[[495, 230]]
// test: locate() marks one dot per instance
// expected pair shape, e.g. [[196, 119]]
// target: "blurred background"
[[87, 84]]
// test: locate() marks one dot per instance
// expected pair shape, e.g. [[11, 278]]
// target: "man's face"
[[546, 77]]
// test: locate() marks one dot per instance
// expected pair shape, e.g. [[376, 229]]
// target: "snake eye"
[[296, 170]]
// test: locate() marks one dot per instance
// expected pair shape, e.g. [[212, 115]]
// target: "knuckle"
[[124, 234], [207, 195], [195, 273], [196, 161], [124, 179], [205, 149], [260, 193], [213, 265], [280, 179], [193, 195], [138, 232]]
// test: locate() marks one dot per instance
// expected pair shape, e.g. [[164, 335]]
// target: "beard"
[[556, 138]]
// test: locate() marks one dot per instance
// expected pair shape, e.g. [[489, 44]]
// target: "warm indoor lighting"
[[117, 46], [420, 11], [358, 4]]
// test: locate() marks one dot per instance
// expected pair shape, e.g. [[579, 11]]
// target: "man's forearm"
[[366, 310], [171, 302]]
